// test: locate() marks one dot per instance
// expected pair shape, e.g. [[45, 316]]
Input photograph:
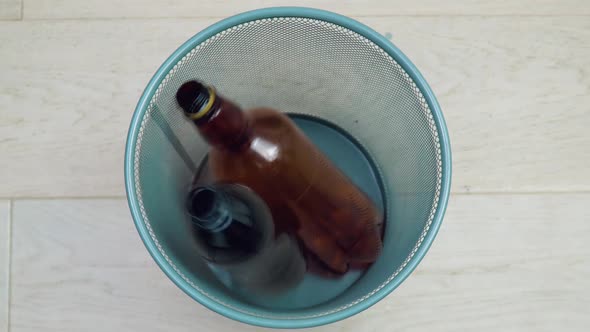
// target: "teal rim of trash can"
[[266, 13]]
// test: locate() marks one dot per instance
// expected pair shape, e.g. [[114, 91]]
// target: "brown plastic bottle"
[[308, 196]]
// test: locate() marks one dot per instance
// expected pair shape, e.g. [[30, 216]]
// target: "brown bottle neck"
[[225, 126]]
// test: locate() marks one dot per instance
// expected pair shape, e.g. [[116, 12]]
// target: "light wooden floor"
[[512, 77]]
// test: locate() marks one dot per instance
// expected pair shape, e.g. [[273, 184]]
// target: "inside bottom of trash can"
[[355, 162]]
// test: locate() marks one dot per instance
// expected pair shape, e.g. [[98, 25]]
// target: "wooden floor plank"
[[514, 91], [500, 262], [4, 263], [56, 9], [10, 9]]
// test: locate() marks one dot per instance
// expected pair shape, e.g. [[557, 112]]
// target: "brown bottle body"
[[308, 196]]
